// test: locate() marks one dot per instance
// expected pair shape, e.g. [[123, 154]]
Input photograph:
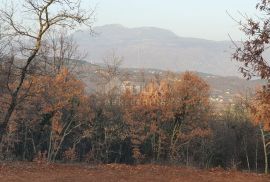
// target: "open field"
[[26, 172]]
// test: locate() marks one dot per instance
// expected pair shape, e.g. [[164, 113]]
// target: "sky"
[[205, 19]]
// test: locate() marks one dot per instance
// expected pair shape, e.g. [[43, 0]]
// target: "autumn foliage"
[[57, 118], [167, 116], [261, 109], [171, 120]]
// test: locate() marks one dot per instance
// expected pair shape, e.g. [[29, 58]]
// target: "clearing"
[[26, 172]]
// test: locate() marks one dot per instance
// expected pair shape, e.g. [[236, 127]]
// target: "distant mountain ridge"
[[150, 47]]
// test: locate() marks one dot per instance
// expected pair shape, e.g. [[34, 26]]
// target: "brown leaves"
[[251, 53], [56, 122], [260, 108], [56, 92], [158, 112]]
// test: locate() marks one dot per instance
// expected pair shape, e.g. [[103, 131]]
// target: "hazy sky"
[[189, 18]]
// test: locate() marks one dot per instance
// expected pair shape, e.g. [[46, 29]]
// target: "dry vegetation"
[[46, 116], [115, 172]]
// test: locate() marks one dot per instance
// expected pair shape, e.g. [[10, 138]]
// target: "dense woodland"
[[170, 121], [47, 116]]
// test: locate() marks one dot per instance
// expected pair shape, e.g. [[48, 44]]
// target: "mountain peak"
[[111, 26]]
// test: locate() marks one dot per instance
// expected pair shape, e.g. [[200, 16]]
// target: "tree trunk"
[[4, 124], [49, 157], [159, 148], [246, 153], [187, 160], [265, 151], [247, 158], [25, 141], [256, 154], [14, 95]]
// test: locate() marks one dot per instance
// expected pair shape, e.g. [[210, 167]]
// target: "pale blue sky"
[[189, 18]]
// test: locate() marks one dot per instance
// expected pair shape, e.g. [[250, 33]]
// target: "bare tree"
[[111, 68], [44, 15], [60, 50], [109, 74]]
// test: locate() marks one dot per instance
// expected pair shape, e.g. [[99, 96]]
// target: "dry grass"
[[27, 172]]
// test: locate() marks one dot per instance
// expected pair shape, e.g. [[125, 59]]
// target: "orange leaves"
[[137, 154], [195, 133], [192, 90], [260, 108], [173, 110], [56, 92], [160, 101], [56, 122]]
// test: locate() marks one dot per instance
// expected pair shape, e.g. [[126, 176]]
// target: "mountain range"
[[151, 47]]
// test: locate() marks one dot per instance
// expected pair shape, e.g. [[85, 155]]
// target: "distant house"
[[119, 86], [133, 86]]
